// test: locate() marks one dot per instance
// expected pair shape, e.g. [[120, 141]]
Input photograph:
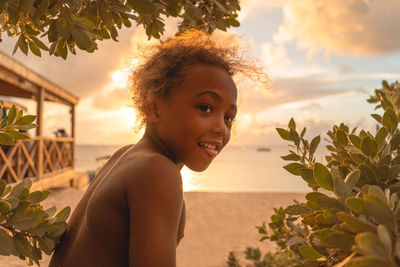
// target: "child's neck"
[[152, 138]]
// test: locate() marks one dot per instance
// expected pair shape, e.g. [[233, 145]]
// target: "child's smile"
[[195, 120]]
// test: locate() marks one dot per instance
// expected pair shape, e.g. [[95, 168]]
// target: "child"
[[133, 213]]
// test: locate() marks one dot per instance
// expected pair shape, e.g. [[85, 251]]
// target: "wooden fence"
[[38, 158]]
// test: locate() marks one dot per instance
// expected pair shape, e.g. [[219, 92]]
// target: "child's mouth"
[[211, 149]]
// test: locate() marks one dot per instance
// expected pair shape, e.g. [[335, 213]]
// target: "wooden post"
[[73, 120], [39, 131]]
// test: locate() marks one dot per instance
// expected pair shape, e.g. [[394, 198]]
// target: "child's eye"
[[229, 119], [205, 107]]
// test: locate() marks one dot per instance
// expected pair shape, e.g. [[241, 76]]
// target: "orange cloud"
[[355, 27]]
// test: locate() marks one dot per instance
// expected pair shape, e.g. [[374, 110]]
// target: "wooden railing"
[[36, 158]]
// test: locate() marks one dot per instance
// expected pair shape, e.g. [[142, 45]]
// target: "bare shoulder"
[[155, 171]]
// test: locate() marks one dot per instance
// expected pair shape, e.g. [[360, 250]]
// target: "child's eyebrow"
[[216, 96], [212, 94]]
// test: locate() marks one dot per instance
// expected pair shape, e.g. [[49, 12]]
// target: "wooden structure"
[[49, 161]]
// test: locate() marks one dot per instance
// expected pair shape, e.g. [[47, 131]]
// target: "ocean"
[[235, 169]]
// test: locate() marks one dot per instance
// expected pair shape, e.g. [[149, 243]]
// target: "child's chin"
[[197, 167]]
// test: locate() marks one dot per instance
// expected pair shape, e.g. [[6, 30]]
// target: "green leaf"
[[294, 136], [307, 175], [83, 21], [356, 205], [47, 245], [377, 117], [292, 156], [296, 209], [293, 168], [341, 137], [314, 144], [51, 211], [369, 147], [28, 218], [313, 196], [81, 38], [25, 126], [284, 134], [22, 245], [292, 124], [6, 140], [339, 239], [2, 187], [379, 211], [381, 135], [42, 46], [309, 252], [355, 140], [11, 115], [16, 135], [385, 238], [35, 50], [36, 197], [6, 243], [22, 44], [52, 230], [17, 190], [13, 201], [4, 206], [41, 9], [369, 244], [323, 177], [352, 179], [63, 214], [354, 224], [62, 49], [390, 120], [339, 187]]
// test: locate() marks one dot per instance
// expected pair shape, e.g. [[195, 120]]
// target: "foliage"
[[352, 216], [12, 122], [26, 228], [281, 259], [81, 23]]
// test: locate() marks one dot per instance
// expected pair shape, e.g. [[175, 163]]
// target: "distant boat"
[[263, 149]]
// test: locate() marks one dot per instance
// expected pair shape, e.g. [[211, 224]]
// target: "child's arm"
[[155, 205]]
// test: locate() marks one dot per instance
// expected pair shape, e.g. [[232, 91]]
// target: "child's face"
[[195, 120]]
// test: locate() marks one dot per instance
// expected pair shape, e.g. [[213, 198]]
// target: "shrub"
[[26, 228], [352, 216]]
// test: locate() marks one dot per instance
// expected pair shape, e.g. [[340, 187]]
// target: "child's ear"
[[152, 108]]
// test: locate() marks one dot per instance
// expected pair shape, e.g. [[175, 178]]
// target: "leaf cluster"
[[26, 228], [351, 217], [80, 23], [12, 122]]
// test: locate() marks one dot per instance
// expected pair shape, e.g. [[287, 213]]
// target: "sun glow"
[[188, 180]]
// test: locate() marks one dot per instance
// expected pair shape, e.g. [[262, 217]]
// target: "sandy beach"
[[216, 224]]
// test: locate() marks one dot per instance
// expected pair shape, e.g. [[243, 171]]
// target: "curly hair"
[[163, 67]]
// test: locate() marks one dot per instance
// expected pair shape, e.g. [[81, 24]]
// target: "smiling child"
[[133, 213]]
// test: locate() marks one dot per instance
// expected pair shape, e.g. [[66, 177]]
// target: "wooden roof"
[[18, 80]]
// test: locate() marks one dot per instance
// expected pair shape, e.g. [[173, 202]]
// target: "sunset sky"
[[324, 58]]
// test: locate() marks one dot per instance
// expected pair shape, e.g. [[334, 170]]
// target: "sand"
[[216, 224]]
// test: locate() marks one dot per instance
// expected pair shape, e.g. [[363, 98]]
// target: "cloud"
[[344, 69], [250, 7], [274, 57], [357, 27], [288, 90], [115, 99]]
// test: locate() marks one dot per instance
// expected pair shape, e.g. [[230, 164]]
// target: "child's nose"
[[220, 126]]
